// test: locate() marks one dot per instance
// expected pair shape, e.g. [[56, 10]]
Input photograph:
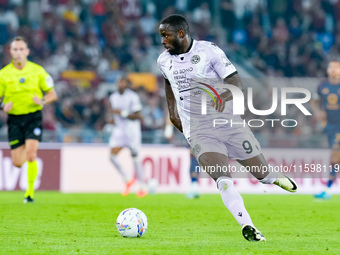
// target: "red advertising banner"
[[13, 178]]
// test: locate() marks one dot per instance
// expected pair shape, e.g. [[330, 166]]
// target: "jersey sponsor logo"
[[332, 98], [332, 102], [183, 87], [22, 80], [196, 149], [195, 59], [37, 131], [225, 60]]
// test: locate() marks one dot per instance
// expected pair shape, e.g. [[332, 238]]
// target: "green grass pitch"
[[85, 224]]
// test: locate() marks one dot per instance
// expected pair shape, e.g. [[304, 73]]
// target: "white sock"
[[139, 170], [233, 200], [270, 178], [115, 162], [194, 187]]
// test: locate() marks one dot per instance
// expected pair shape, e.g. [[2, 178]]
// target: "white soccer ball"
[[132, 222]]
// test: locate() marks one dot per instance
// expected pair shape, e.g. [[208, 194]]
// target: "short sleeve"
[[160, 66], [136, 105], [46, 81], [220, 63], [318, 94]]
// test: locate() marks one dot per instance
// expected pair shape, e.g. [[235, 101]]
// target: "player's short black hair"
[[19, 38], [176, 22], [127, 79]]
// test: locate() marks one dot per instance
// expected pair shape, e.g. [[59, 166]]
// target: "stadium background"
[[86, 45]]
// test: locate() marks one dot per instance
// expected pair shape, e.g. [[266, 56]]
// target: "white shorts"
[[237, 143], [131, 141]]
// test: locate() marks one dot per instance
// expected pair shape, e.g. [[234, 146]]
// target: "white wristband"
[[124, 113]]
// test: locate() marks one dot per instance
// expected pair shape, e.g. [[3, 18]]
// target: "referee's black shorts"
[[22, 127]]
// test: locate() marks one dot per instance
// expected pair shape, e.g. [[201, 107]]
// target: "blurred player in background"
[[126, 107], [193, 192], [325, 105], [22, 84], [186, 59]]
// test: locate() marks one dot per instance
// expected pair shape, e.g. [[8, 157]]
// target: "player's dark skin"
[[179, 43]]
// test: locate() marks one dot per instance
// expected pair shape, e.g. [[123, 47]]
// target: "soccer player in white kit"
[[126, 107], [186, 62]]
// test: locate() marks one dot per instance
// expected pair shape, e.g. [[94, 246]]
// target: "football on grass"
[[132, 222]]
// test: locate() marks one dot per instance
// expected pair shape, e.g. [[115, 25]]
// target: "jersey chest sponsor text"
[[181, 76], [331, 98]]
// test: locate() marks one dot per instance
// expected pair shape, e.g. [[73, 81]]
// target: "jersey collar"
[[191, 46], [17, 68]]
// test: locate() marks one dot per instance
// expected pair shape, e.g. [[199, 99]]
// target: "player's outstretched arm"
[[172, 107], [135, 116], [126, 114]]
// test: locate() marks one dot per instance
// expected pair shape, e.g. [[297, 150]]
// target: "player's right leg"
[[335, 161], [17, 142], [244, 147], [230, 196], [18, 155], [114, 160], [139, 171]]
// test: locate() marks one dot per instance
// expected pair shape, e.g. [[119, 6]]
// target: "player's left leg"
[[32, 166], [258, 167], [193, 192], [334, 143], [139, 172], [114, 160], [230, 196], [335, 161]]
